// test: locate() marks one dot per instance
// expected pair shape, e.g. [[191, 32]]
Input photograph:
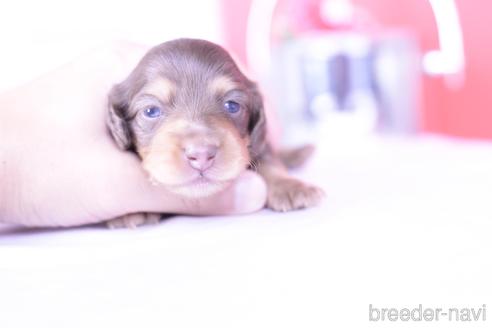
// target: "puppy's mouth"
[[201, 186], [203, 179]]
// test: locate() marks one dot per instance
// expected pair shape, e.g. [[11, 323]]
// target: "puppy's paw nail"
[[291, 194], [133, 220]]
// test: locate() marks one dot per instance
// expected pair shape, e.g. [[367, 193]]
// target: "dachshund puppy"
[[196, 122]]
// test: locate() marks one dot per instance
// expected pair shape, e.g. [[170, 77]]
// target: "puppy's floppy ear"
[[118, 104], [257, 126]]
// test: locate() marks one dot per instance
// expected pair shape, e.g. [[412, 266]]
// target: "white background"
[[36, 36]]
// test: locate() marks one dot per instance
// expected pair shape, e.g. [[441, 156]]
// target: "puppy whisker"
[[253, 165]]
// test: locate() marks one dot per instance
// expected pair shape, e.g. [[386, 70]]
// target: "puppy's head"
[[190, 114]]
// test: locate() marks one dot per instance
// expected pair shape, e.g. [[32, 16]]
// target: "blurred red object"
[[465, 111]]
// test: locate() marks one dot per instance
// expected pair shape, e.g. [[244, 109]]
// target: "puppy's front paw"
[[133, 220], [289, 194]]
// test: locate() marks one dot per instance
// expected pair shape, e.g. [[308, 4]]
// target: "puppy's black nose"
[[200, 157]]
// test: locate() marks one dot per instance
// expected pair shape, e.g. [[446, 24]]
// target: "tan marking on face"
[[180, 125], [166, 164], [221, 85], [161, 88]]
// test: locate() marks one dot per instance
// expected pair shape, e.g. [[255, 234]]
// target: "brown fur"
[[190, 80]]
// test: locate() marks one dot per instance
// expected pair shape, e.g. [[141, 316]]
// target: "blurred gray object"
[[346, 81]]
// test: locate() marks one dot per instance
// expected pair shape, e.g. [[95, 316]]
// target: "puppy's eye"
[[152, 112], [232, 107]]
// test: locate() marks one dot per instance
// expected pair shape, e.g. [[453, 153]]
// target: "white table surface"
[[406, 221]]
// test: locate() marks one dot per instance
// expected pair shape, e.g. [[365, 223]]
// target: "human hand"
[[60, 167]]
